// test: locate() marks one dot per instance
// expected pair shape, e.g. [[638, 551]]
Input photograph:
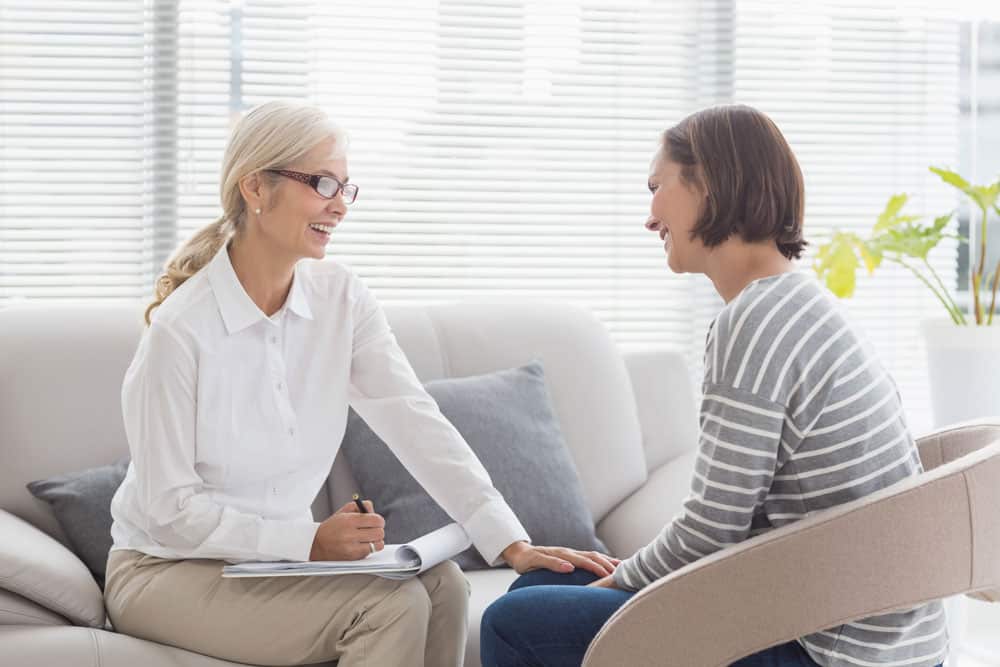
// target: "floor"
[[981, 634]]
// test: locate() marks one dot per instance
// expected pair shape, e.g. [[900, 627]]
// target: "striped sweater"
[[798, 416]]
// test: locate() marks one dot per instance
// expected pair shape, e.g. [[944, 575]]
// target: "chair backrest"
[[926, 538], [951, 444]]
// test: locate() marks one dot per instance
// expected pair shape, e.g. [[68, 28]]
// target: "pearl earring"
[[257, 211]]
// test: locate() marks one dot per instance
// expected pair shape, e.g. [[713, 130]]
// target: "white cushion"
[[36, 567], [17, 610], [642, 516]]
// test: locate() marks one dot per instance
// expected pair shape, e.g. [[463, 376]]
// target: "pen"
[[361, 505]]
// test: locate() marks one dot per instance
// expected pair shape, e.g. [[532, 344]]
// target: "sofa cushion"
[[74, 355], [36, 567], [507, 419], [18, 610], [584, 374], [487, 586], [81, 502]]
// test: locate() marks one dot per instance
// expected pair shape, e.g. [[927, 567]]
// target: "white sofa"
[[629, 421]]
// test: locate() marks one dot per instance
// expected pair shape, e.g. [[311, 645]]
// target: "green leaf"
[[889, 217], [912, 240], [941, 222], [985, 196], [836, 263], [871, 255], [952, 178]]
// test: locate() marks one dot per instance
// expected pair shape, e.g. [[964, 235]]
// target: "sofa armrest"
[[37, 567], [923, 539], [665, 400], [641, 517], [17, 610]]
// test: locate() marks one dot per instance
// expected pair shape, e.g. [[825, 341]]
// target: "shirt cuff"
[[492, 528], [286, 540], [624, 575]]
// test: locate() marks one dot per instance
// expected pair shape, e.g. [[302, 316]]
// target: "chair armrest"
[[954, 441], [900, 547], [665, 400], [37, 567]]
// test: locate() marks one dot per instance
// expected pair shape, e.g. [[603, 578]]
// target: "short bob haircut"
[[752, 182]]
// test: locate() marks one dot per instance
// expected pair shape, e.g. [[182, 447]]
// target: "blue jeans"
[[549, 619]]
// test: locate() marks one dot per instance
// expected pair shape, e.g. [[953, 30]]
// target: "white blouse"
[[234, 418]]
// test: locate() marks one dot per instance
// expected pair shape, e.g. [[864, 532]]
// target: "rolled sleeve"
[[493, 528]]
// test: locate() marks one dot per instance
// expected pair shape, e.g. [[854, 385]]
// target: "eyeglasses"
[[326, 187]]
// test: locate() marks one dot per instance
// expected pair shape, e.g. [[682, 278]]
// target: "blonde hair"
[[270, 136]]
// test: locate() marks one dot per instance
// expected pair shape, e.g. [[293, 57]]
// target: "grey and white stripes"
[[798, 415]]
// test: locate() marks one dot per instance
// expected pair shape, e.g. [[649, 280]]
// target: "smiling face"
[[674, 211], [295, 221]]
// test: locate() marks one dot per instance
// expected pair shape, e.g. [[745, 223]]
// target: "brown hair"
[[752, 182]]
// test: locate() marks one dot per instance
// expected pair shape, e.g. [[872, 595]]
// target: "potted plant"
[[963, 353]]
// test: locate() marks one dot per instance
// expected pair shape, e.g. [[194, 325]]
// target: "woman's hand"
[[348, 534], [606, 582], [524, 557]]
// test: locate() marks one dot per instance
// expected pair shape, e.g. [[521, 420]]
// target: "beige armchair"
[[930, 537]]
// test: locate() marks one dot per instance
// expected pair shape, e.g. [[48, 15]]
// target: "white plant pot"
[[964, 368]]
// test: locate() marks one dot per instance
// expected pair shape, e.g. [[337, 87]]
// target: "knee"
[[409, 604], [447, 586], [501, 617], [578, 577], [500, 637]]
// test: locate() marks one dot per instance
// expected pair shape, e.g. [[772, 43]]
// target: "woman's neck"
[[265, 278], [735, 264]]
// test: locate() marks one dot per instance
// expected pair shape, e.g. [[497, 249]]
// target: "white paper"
[[395, 561]]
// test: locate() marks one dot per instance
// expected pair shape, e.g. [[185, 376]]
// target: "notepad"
[[395, 561]]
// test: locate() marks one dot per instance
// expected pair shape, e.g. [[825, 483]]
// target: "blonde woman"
[[234, 406]]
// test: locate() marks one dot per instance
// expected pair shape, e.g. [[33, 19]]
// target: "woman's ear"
[[252, 189]]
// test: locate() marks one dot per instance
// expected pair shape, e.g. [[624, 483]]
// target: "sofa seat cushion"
[[90, 647], [487, 586]]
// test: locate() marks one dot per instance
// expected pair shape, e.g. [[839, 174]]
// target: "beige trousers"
[[359, 620]]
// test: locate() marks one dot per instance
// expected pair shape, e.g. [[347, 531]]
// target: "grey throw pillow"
[[81, 502], [507, 419]]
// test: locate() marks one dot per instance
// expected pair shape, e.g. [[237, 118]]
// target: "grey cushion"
[[81, 502], [508, 421]]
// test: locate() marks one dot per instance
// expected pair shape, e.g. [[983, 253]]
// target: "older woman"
[[798, 413], [234, 407]]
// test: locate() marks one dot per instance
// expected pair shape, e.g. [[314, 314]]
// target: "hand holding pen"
[[353, 532]]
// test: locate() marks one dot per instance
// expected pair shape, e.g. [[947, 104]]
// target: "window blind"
[[74, 119], [501, 148], [867, 95]]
